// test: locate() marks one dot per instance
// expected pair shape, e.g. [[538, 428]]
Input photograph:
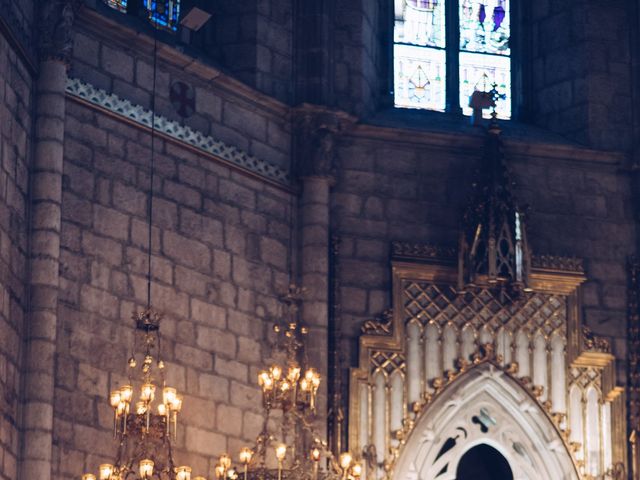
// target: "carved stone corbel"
[[55, 33], [316, 131]]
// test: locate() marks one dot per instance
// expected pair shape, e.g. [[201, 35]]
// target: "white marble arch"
[[514, 425]]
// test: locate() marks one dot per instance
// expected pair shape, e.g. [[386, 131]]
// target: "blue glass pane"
[[419, 22], [419, 77], [164, 14], [480, 72], [485, 26], [120, 5]]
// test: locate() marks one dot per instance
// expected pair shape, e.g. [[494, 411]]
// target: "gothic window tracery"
[[424, 49]]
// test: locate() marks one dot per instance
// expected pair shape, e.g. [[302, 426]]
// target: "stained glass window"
[[481, 72], [419, 55], [485, 26], [120, 5], [420, 58], [164, 14]]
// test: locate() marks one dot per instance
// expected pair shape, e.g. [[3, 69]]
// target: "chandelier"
[[293, 450], [144, 425]]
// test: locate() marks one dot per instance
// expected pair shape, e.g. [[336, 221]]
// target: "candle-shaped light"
[[225, 461], [162, 409], [356, 470], [146, 468], [345, 463], [168, 395], [345, 460], [220, 471], [106, 469], [147, 393], [183, 473], [246, 454], [126, 393], [276, 372], [281, 452], [115, 398], [315, 456]]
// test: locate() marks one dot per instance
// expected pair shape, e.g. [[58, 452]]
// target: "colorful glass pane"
[[120, 5], [485, 26], [164, 14], [480, 72], [419, 77], [419, 22]]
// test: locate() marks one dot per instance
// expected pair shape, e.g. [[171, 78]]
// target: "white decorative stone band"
[[138, 114]]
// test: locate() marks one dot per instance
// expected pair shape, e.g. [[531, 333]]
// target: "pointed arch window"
[[163, 14], [445, 49]]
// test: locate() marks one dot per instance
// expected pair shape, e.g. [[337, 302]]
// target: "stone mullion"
[[46, 198]]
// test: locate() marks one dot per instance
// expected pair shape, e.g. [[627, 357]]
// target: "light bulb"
[[304, 385], [356, 470], [106, 470], [162, 409], [88, 476], [284, 386], [183, 473], [281, 452], [147, 392], [168, 395], [126, 393], [276, 372], [146, 468], [219, 471], [121, 408], [199, 477], [345, 460], [114, 398], [232, 474], [309, 374], [245, 455]]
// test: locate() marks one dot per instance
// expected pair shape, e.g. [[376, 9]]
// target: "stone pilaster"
[[315, 149], [46, 197]]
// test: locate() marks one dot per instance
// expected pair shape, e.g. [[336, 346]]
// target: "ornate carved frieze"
[[55, 32], [205, 143], [448, 255], [557, 263]]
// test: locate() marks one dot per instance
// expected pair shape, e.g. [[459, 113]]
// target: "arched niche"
[[484, 406]]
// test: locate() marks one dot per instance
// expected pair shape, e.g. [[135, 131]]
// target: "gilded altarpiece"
[[445, 370]]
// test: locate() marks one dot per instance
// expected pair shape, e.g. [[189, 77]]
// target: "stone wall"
[[219, 263], [581, 69], [225, 108], [16, 105]]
